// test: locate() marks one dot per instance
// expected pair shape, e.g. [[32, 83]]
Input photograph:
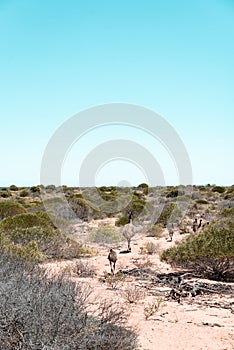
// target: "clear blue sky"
[[59, 57]]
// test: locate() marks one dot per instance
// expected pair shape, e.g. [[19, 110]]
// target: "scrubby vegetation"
[[10, 209], [34, 237], [105, 235], [210, 253], [38, 311]]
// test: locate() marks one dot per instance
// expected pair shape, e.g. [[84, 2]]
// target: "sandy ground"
[[191, 324]]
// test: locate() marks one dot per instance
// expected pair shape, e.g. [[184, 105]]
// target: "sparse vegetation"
[[38, 311], [132, 294], [105, 235], [155, 231], [151, 248], [152, 308], [113, 281]]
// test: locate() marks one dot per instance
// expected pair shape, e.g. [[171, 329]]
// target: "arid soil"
[[202, 322]]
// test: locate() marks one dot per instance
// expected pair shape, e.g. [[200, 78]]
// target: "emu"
[[200, 223], [129, 230], [195, 225], [112, 257]]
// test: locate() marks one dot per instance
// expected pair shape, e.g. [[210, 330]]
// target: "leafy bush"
[[23, 229], [24, 221], [13, 188], [136, 206], [80, 208], [170, 212], [155, 231], [35, 190], [150, 248], [173, 193], [38, 311], [210, 253], [144, 187], [24, 193], [10, 209], [218, 189], [4, 193], [105, 234], [123, 220], [202, 201], [227, 212]]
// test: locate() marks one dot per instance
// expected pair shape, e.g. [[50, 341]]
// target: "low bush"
[[155, 231], [171, 212], [10, 209], [24, 193], [210, 253], [13, 188], [202, 201], [24, 221], [136, 206], [227, 212], [35, 190], [218, 189], [5, 193], [152, 308], [151, 248], [132, 294], [106, 235], [113, 281], [83, 269], [123, 220], [38, 311], [25, 231]]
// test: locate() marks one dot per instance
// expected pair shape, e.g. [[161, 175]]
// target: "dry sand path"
[[188, 325]]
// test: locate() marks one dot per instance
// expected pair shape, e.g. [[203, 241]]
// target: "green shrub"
[[211, 252], [105, 234], [202, 201], [10, 209], [171, 212], [80, 208], [173, 193], [4, 193], [19, 231], [23, 221], [35, 189], [227, 212], [144, 187], [36, 233], [13, 188], [155, 231], [218, 189], [136, 206], [123, 220], [24, 193]]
